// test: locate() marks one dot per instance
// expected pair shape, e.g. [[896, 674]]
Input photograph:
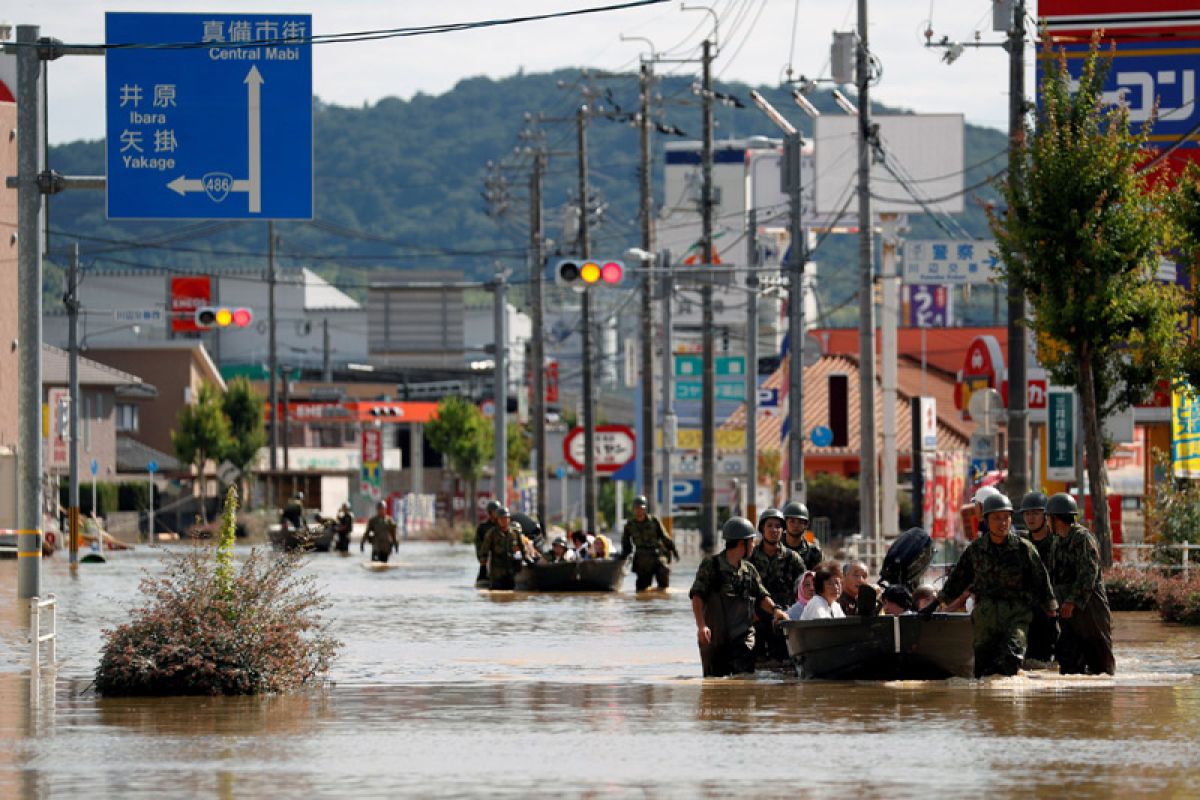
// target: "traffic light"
[[223, 317], [580, 273]]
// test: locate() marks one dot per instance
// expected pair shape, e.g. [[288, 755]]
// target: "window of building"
[[127, 417]]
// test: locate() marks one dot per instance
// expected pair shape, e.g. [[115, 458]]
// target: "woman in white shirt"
[[827, 583]]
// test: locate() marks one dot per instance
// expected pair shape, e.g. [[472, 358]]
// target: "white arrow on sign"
[[218, 185]]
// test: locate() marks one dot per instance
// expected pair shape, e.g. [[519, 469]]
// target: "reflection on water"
[[443, 689]]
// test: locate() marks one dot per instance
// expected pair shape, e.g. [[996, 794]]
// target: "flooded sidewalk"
[[445, 690]]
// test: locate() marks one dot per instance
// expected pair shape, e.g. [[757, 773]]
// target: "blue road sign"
[[152, 467], [821, 436], [95, 465], [219, 127]]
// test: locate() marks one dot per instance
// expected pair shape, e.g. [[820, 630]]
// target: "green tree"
[[520, 447], [1185, 216], [1082, 235], [201, 433], [463, 434], [243, 407]]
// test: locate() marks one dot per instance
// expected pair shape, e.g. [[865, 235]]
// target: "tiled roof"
[[945, 348], [953, 432], [91, 373]]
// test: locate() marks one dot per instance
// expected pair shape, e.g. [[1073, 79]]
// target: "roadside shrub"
[[1130, 588], [208, 628], [1179, 600], [106, 497], [133, 495]]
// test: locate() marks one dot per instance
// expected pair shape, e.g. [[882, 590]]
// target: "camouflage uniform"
[[344, 526], [1043, 630], [1084, 640], [381, 533], [1008, 581], [481, 531], [505, 551], [779, 574], [808, 551], [650, 545], [730, 596], [293, 515]]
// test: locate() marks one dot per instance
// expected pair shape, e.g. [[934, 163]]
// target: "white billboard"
[[923, 156]]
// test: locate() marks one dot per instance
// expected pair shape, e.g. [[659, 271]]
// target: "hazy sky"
[[755, 38]]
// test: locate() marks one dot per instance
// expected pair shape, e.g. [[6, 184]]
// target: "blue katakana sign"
[[209, 116]]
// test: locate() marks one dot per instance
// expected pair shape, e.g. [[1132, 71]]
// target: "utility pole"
[[647, 214], [708, 423], [890, 295], [585, 251], [1018, 402], [500, 386], [537, 271], [30, 164], [272, 370], [752, 367], [668, 398], [867, 487], [793, 153], [72, 304]]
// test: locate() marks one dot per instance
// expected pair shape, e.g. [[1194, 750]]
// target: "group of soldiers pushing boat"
[[1037, 596]]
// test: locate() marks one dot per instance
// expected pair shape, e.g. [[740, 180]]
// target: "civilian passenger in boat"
[[804, 593], [897, 601], [827, 585], [856, 576], [923, 596]]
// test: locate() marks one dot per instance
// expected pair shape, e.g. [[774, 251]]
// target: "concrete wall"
[[8, 279]]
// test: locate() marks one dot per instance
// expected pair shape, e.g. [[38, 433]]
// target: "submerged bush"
[[208, 628], [1179, 599], [1130, 588]]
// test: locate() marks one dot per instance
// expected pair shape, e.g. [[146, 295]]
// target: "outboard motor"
[[907, 559]]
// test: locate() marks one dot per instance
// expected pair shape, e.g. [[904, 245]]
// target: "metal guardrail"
[[1143, 555], [37, 638]]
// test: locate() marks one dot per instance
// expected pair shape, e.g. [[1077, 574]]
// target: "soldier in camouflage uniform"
[[481, 531], [381, 533], [650, 545], [1043, 630], [795, 535], [779, 568], [724, 596], [1085, 627], [1008, 580], [503, 551]]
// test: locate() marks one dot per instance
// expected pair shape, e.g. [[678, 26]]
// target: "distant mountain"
[[400, 184]]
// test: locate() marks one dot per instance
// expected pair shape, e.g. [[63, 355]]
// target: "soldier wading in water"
[[1008, 580], [724, 596], [1085, 627], [480, 532], [795, 534], [652, 549], [503, 551], [1043, 630], [779, 568]]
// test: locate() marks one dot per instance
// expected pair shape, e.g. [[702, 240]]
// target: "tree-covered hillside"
[[400, 185]]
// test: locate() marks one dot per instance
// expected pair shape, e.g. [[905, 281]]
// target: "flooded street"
[[445, 690]]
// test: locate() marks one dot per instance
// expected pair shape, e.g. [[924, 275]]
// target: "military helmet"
[[996, 502], [1062, 503], [640, 502], [736, 529], [1033, 501], [559, 541], [770, 513], [493, 506], [794, 510], [298, 496], [983, 494], [502, 511]]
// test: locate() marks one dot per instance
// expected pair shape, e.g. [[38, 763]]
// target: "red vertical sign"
[[187, 294]]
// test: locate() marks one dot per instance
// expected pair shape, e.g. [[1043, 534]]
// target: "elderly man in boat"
[[1008, 579]]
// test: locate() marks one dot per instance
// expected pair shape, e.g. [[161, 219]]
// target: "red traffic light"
[[242, 317], [222, 317], [611, 272]]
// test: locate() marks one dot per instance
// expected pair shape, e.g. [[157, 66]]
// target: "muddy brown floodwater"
[[443, 690]]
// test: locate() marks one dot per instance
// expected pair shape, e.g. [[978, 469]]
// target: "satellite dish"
[[987, 409]]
